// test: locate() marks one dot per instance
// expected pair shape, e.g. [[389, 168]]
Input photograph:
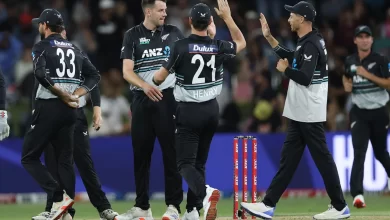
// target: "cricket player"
[[145, 48], [367, 76], [4, 127], [305, 108], [82, 158], [197, 63], [64, 74]]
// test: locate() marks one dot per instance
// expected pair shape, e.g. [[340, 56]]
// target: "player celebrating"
[[197, 63]]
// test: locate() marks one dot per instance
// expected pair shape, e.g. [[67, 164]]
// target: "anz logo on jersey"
[[156, 52]]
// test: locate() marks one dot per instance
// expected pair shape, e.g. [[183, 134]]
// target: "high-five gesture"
[[264, 26], [267, 32], [223, 9]]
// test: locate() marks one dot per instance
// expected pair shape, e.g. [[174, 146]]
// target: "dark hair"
[[56, 28], [146, 3], [200, 26]]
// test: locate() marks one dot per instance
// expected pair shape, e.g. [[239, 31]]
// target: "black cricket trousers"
[[300, 134], [150, 120], [52, 122], [196, 124], [368, 125], [84, 163]]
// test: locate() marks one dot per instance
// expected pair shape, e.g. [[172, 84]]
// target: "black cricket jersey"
[[307, 93], [149, 50], [197, 62], [367, 94], [58, 61]]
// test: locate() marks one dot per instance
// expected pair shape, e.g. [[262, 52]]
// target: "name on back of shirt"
[[202, 48]]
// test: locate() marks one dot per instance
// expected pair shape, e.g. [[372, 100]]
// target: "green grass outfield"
[[378, 207]]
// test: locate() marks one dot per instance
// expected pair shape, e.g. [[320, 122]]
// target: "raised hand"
[[264, 26], [223, 10]]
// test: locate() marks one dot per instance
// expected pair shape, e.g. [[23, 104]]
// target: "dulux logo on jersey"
[[201, 48], [156, 52], [56, 43]]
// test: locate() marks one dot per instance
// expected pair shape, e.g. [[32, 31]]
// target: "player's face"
[[295, 20], [158, 13], [363, 42]]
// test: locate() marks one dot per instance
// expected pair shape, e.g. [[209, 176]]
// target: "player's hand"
[[212, 30], [97, 118], [282, 65], [4, 127], [71, 100], [152, 92], [264, 26], [223, 10], [361, 71]]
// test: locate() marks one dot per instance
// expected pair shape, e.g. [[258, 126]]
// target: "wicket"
[[236, 212]]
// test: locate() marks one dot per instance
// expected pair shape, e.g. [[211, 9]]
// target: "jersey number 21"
[[210, 63]]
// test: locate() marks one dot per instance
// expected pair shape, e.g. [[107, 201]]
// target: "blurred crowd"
[[254, 91]]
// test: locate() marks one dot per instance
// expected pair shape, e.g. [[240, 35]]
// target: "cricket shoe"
[[108, 214], [210, 203], [59, 208], [332, 213], [66, 216], [136, 213], [41, 216], [193, 215], [258, 209], [171, 214], [358, 202]]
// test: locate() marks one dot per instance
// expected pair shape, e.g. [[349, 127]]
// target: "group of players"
[[175, 81]]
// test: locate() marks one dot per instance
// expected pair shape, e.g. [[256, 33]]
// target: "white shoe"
[[171, 214], [258, 209], [108, 214], [332, 213], [59, 208], [136, 213], [210, 203], [66, 216], [193, 215], [358, 201], [41, 216]]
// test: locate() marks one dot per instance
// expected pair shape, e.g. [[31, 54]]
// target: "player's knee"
[[200, 166], [184, 165]]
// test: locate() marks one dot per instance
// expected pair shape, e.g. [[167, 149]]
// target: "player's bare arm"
[[97, 117], [160, 76], [381, 82], [267, 32], [129, 75], [212, 30], [347, 82], [223, 11]]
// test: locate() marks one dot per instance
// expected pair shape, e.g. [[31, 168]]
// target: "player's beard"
[[42, 36]]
